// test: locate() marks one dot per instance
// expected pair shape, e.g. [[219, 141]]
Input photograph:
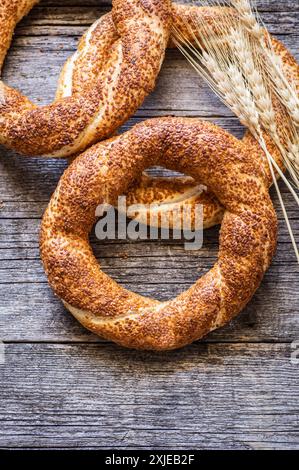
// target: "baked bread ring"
[[126, 54], [96, 52], [247, 241]]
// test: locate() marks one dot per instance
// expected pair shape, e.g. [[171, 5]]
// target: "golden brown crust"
[[247, 242], [127, 74], [158, 197]]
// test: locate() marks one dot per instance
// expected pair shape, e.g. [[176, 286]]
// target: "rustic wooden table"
[[62, 387]]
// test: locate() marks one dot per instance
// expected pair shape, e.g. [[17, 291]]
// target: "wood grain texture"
[[63, 387], [205, 396]]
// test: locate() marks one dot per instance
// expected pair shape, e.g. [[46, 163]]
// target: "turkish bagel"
[[247, 240], [115, 67]]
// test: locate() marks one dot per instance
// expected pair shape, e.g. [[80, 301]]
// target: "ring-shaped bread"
[[247, 240]]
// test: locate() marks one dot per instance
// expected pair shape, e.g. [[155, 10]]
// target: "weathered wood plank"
[[30, 312], [62, 15], [104, 400], [28, 199]]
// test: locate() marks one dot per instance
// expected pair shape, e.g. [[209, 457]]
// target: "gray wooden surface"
[[62, 387]]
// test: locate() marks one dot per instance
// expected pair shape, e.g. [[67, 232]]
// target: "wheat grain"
[[286, 91], [248, 17], [235, 93]]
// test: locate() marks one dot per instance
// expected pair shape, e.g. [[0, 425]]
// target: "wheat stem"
[[271, 161], [2, 93]]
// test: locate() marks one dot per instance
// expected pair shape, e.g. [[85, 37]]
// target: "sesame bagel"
[[210, 156], [115, 67]]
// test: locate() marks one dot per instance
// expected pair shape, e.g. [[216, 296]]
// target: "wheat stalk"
[[275, 77], [231, 70], [257, 83], [285, 90], [2, 94]]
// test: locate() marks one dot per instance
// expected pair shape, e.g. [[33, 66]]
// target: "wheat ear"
[[285, 90], [252, 69]]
